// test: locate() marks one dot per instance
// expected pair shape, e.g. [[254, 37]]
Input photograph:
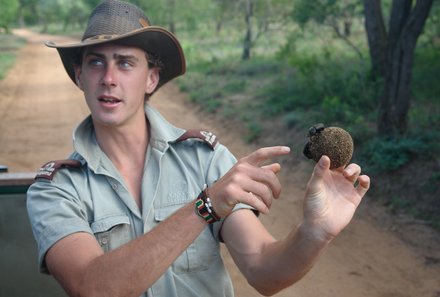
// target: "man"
[[129, 213]]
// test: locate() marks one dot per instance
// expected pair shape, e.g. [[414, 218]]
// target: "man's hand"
[[249, 182], [332, 197]]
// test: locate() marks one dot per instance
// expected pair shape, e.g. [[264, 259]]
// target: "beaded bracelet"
[[204, 207]]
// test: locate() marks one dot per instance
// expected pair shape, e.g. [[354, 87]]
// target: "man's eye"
[[125, 64], [95, 62]]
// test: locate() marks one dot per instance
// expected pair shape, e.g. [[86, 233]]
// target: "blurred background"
[[372, 67]]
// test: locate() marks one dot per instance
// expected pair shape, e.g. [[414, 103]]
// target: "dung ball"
[[334, 142]]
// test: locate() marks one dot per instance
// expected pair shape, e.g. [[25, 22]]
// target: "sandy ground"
[[376, 256]]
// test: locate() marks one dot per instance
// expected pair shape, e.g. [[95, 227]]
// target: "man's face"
[[114, 80]]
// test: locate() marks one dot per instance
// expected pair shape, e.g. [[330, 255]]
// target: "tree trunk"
[[376, 36], [395, 99], [396, 57], [21, 22], [171, 13], [219, 26], [247, 44]]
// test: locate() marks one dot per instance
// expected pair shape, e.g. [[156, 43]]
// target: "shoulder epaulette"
[[48, 170], [207, 137]]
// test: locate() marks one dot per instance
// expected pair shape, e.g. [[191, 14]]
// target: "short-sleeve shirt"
[[94, 199]]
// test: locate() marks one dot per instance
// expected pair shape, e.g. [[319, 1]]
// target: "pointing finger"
[[261, 155]]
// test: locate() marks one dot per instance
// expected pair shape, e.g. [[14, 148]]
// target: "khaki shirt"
[[94, 199]]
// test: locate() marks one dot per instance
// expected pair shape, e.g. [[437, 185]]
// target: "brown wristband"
[[204, 207]]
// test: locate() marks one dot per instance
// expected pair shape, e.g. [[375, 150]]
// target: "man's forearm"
[[131, 269], [284, 262]]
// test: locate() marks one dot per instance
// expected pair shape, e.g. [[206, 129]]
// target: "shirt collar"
[[162, 133]]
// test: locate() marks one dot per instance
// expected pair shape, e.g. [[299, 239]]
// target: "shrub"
[[9, 45], [6, 61], [389, 154], [254, 130]]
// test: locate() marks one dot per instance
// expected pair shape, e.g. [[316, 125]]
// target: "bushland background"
[[278, 67], [272, 69]]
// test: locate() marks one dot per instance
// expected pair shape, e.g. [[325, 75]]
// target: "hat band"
[[101, 37]]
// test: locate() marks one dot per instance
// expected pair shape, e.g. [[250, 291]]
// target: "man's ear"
[[153, 80], [78, 76]]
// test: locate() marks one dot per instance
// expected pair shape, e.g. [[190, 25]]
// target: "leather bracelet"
[[204, 207]]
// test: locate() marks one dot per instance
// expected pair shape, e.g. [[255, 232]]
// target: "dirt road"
[[39, 108]]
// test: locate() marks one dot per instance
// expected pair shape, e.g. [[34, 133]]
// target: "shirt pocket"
[[113, 231], [200, 254]]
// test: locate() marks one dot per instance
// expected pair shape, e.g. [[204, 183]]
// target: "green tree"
[[392, 55], [222, 12], [391, 47], [74, 13], [337, 15], [178, 15], [48, 12], [27, 12], [260, 16], [63, 12], [8, 13]]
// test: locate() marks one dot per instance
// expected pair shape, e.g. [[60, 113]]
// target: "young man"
[[129, 213]]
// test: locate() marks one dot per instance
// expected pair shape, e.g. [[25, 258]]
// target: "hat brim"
[[153, 39]]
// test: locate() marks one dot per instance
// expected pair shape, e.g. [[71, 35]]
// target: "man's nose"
[[109, 77]]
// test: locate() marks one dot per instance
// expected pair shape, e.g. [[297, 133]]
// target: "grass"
[[6, 61], [8, 52]]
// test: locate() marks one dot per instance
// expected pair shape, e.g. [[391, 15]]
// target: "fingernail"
[[285, 149]]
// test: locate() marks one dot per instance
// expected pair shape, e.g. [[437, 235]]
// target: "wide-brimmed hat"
[[123, 23]]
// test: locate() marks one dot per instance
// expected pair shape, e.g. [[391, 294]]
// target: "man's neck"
[[126, 147]]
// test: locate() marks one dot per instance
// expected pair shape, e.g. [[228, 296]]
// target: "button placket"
[[103, 241]]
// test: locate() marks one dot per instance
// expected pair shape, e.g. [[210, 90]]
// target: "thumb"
[[321, 167]]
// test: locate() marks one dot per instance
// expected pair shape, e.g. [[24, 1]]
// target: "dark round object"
[[334, 142]]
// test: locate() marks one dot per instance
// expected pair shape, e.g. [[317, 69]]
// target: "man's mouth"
[[111, 100]]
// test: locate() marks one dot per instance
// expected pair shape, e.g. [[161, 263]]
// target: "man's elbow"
[[266, 289], [267, 286]]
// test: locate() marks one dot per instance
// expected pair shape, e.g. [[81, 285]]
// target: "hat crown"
[[125, 24], [112, 18]]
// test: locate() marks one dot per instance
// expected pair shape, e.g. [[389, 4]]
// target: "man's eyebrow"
[[94, 54], [116, 56]]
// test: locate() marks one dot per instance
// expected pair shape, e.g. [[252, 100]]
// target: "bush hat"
[[123, 23]]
